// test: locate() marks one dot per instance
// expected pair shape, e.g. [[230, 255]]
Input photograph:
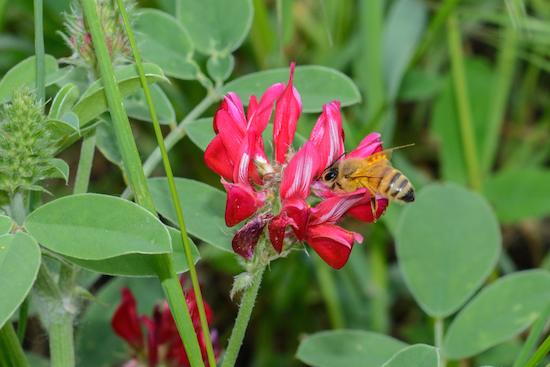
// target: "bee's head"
[[330, 174]]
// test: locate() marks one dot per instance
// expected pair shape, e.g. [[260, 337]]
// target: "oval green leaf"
[[350, 348], [24, 73], [95, 227], [60, 169], [138, 265], [519, 193], [6, 224], [200, 132], [217, 27], [317, 85], [203, 209], [63, 101], [219, 67], [60, 128], [107, 142], [162, 40], [418, 355], [19, 263], [93, 102], [447, 242], [503, 309], [136, 106]]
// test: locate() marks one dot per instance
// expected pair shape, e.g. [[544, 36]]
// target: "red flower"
[[163, 343]]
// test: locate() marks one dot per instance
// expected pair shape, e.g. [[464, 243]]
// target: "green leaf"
[[77, 76], [418, 85], [19, 263], [350, 348], [317, 85], [24, 73], [93, 102], [216, 27], [418, 355], [200, 132], [138, 265], [219, 67], [60, 169], [447, 243], [6, 223], [136, 106], [519, 193], [63, 101], [503, 309], [203, 209], [403, 30], [162, 40], [98, 345], [60, 128], [95, 227], [107, 142]]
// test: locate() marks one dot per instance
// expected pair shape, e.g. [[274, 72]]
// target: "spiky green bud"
[[26, 146], [79, 39]]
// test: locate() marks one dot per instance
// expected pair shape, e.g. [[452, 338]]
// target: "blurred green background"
[[426, 70]]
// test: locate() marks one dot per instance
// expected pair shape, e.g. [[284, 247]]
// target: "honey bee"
[[374, 172]]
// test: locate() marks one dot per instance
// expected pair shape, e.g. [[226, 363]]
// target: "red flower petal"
[[333, 209], [217, 159], [166, 326], [369, 145], [265, 108], [299, 172], [298, 210], [231, 133], [242, 202], [363, 210], [277, 230], [125, 320], [287, 111], [152, 344], [332, 243], [327, 135]]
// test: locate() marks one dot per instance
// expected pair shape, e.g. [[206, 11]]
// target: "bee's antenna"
[[332, 164]]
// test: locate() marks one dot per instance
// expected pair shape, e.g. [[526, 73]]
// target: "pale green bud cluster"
[[26, 146], [79, 39]]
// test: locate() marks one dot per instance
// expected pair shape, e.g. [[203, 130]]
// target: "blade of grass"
[[23, 316], [532, 339], [328, 289], [463, 101], [499, 97], [378, 281], [11, 352], [84, 170], [39, 51], [132, 164], [170, 176]]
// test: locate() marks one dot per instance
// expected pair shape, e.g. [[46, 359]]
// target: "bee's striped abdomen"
[[396, 186]]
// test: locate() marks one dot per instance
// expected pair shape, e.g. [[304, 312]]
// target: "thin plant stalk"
[[23, 317], [60, 325], [438, 338], [175, 136], [532, 339], [245, 310], [170, 177], [39, 51], [540, 353], [84, 170], [378, 282], [132, 164], [329, 292], [504, 74], [463, 102], [11, 352]]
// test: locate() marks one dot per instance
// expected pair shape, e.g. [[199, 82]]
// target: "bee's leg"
[[373, 204]]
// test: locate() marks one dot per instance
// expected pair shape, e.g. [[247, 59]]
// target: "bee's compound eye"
[[331, 175]]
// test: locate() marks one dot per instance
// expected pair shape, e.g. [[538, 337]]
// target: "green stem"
[[435, 23], [39, 51], [11, 352], [60, 325], [85, 163], [17, 205], [175, 199], [245, 310], [329, 292], [380, 318], [438, 336], [500, 91], [134, 170], [23, 316], [532, 339], [175, 135], [463, 102]]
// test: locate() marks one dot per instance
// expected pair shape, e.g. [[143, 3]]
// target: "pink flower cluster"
[[275, 195], [163, 345]]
